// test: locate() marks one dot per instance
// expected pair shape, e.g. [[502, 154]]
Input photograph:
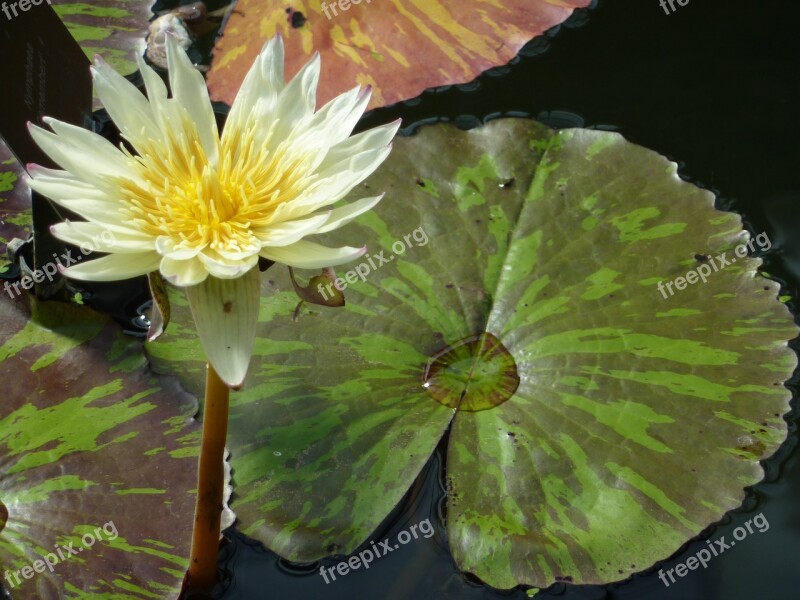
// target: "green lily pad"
[[512, 294], [114, 29], [90, 439], [15, 201]]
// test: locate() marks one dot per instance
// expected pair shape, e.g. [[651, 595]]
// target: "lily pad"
[[512, 294], [382, 43], [15, 202], [90, 439], [114, 29]]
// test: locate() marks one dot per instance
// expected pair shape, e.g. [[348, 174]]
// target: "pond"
[[711, 85]]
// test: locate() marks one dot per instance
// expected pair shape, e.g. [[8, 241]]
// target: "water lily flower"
[[202, 208]]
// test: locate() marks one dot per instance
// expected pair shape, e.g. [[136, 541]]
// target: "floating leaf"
[[114, 29], [89, 438], [513, 294], [383, 43]]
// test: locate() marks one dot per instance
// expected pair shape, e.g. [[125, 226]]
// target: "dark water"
[[714, 86]]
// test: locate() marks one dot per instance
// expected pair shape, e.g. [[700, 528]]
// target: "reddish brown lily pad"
[[400, 48]]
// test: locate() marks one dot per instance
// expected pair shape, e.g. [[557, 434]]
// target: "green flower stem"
[[202, 572]]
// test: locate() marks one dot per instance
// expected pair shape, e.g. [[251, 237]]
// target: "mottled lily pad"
[[15, 202], [89, 438], [383, 43], [634, 421], [114, 29]]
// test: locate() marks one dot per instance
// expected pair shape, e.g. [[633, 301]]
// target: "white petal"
[[167, 248], [272, 63], [163, 112], [329, 125], [296, 101], [126, 105], [334, 184], [308, 255], [100, 239], [227, 256], [114, 267], [154, 85], [61, 185], [225, 313], [83, 153], [35, 170], [262, 84], [101, 212], [344, 214], [372, 139], [283, 234], [183, 272], [189, 91], [355, 112], [345, 175], [227, 270], [315, 134]]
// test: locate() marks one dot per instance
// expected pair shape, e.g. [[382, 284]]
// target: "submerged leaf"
[[382, 43], [529, 259]]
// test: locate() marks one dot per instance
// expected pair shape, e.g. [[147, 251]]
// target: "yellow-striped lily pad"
[[382, 43]]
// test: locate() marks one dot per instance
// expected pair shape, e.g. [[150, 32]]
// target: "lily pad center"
[[473, 374]]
